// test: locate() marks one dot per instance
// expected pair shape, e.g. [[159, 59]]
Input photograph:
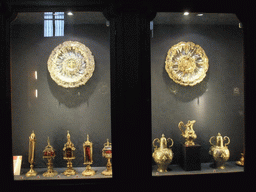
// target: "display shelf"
[[206, 168], [60, 176]]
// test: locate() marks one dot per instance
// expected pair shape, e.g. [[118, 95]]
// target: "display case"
[[128, 97], [60, 82], [197, 73]]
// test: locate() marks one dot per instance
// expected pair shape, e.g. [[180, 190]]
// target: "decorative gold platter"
[[71, 64], [186, 63]]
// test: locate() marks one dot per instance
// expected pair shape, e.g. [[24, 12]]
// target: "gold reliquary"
[[87, 147], [49, 154], [107, 153], [68, 154], [31, 155]]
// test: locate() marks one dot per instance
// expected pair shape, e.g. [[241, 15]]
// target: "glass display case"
[[167, 89], [197, 73], [60, 82]]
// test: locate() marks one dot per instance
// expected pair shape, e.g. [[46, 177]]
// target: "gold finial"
[[68, 136], [48, 141], [87, 137], [32, 136]]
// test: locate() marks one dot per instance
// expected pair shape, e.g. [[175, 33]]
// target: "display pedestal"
[[190, 157]]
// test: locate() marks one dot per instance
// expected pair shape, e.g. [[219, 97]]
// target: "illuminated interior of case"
[[39, 104], [216, 103]]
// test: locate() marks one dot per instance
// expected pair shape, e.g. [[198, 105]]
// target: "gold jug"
[[162, 155], [219, 152], [189, 133]]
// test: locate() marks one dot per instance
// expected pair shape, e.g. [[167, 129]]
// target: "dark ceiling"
[[161, 18]]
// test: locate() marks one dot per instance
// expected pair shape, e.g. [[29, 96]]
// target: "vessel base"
[[50, 173]]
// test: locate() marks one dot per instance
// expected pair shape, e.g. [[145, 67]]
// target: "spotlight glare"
[[186, 13], [70, 13]]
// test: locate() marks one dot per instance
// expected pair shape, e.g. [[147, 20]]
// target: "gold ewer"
[[68, 155], [88, 158], [162, 156], [219, 152], [31, 155], [189, 133]]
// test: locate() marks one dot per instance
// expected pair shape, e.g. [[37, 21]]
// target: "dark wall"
[[212, 103], [84, 110]]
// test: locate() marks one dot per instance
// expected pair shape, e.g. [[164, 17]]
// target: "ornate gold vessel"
[[219, 152], [189, 133], [31, 155], [87, 146], [49, 154], [68, 155], [162, 155], [107, 153], [71, 64], [241, 161], [186, 63]]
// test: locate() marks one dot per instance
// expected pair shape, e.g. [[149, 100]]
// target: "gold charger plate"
[[186, 63], [71, 64]]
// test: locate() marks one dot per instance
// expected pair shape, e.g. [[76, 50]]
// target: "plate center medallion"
[[187, 64]]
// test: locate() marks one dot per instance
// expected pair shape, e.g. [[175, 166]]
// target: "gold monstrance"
[[88, 158], [107, 153], [49, 154], [31, 155], [68, 154]]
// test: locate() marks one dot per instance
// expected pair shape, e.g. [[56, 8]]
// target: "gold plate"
[[186, 63], [71, 64]]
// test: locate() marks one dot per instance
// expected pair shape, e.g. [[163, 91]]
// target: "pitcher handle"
[[156, 139], [226, 137], [180, 127], [210, 140], [172, 142]]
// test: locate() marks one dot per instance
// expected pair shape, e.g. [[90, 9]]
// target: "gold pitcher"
[[189, 133], [162, 156], [219, 152]]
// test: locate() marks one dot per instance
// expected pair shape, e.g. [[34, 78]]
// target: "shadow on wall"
[[73, 97], [185, 93]]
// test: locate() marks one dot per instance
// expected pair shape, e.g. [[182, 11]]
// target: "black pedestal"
[[190, 157]]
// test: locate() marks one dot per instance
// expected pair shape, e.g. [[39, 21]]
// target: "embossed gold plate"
[[71, 64], [186, 63]]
